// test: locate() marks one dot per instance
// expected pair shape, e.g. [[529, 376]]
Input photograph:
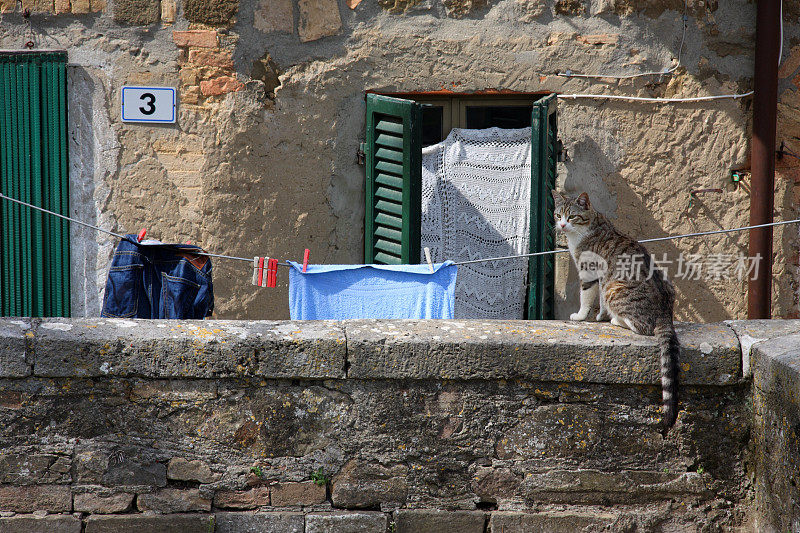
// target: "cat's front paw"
[[577, 317], [602, 316]]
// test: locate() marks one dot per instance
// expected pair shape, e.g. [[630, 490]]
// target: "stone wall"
[[262, 160], [389, 426], [774, 352]]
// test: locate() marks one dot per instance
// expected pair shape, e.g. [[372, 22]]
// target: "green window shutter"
[[34, 265], [394, 181], [541, 269]]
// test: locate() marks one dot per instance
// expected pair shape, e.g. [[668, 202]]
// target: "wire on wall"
[[655, 100], [685, 18]]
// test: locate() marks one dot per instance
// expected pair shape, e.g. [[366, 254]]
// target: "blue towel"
[[339, 292]]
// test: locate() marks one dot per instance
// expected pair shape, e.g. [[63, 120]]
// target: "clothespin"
[[268, 278], [428, 258], [305, 259], [259, 280], [142, 233], [272, 272]]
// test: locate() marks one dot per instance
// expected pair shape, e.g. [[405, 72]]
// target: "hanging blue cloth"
[[339, 292]]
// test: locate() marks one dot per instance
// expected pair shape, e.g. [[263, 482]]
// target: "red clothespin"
[[305, 259], [272, 272], [262, 278], [142, 233], [259, 279]]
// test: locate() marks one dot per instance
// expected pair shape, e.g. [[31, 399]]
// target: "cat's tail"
[[670, 355]]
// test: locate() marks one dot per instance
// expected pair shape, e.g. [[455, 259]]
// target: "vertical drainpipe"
[[765, 102]]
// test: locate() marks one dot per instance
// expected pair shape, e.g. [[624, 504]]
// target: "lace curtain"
[[476, 204]]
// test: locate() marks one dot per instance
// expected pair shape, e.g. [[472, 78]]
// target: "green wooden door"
[[394, 181], [34, 248], [541, 269]]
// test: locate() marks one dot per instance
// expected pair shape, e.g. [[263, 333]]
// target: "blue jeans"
[[158, 281]]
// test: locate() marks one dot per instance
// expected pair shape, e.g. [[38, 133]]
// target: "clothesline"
[[669, 238], [117, 235], [534, 254]]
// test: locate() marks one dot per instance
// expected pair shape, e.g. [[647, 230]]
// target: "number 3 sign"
[[148, 104]]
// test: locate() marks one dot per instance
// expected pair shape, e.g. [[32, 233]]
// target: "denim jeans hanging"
[[158, 281]]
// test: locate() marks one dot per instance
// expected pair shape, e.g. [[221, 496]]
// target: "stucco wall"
[[262, 159]]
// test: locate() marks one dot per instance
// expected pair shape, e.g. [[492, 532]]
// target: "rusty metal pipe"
[[762, 187]]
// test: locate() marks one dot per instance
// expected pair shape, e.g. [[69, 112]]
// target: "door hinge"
[[361, 154]]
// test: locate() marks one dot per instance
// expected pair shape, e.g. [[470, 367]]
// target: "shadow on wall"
[[695, 300]]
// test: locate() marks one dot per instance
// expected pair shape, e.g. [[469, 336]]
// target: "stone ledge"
[[187, 349], [777, 365], [389, 349], [544, 350], [335, 522], [413, 521], [554, 521], [776, 428], [259, 522], [753, 332]]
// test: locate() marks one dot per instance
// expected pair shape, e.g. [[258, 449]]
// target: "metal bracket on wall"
[[361, 155]]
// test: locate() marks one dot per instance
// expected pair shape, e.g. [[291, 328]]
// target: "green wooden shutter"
[[34, 266], [394, 181], [541, 269]]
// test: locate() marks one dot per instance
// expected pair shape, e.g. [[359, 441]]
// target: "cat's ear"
[[583, 201], [557, 196]]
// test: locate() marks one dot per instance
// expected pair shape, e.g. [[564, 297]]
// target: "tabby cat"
[[632, 294]]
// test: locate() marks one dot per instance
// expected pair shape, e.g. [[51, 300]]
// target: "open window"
[[398, 128]]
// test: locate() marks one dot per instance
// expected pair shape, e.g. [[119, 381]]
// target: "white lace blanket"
[[475, 204]]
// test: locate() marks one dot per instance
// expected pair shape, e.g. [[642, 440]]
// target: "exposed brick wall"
[[206, 69]]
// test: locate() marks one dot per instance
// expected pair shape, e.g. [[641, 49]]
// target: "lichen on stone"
[[570, 7], [397, 6], [462, 8], [211, 12], [137, 12]]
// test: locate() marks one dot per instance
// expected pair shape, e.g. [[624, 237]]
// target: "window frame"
[[544, 146], [455, 104]]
